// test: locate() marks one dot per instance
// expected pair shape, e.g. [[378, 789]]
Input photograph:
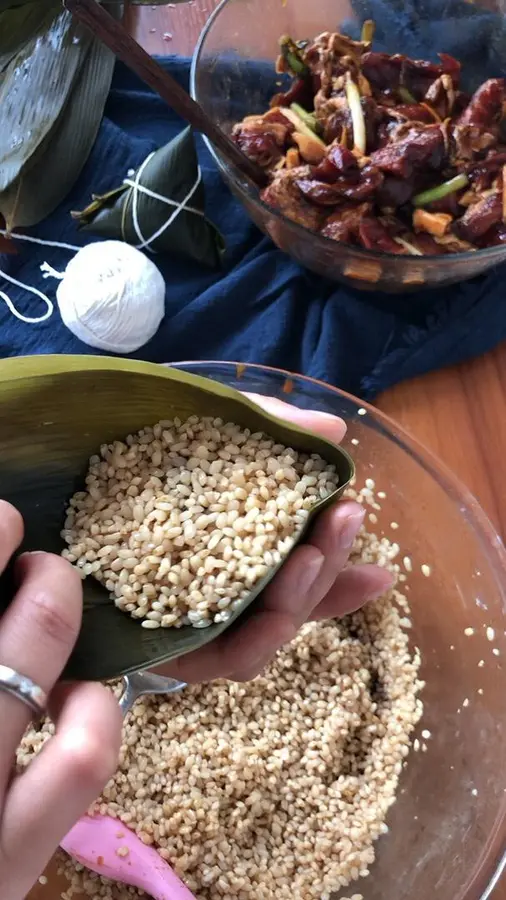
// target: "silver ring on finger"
[[24, 689]]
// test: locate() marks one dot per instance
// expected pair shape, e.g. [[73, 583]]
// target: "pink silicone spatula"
[[108, 847]]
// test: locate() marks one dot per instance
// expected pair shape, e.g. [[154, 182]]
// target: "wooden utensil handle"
[[115, 36]]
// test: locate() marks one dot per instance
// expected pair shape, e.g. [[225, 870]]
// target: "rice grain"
[[194, 509], [279, 787]]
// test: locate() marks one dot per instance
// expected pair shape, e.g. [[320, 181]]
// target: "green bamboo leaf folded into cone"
[[45, 445], [173, 173]]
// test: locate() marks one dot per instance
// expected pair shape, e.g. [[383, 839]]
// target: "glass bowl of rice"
[[415, 766]]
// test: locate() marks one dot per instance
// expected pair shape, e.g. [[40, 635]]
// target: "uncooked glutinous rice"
[[181, 520], [278, 788]]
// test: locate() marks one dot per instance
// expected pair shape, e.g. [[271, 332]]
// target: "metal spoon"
[[142, 683]]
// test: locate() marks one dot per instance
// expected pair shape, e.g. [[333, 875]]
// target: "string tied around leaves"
[[134, 181]]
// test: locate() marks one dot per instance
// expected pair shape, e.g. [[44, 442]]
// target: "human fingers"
[[37, 634], [326, 425], [289, 600], [59, 785], [238, 650], [332, 536], [353, 588], [11, 532], [286, 604], [246, 652]]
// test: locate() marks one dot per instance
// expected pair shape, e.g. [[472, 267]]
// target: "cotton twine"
[[112, 297]]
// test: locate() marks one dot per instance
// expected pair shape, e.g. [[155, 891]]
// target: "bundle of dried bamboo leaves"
[[54, 81]]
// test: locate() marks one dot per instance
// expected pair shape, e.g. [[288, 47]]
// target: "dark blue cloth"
[[423, 28], [261, 307]]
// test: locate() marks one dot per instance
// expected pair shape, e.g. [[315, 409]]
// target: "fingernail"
[[330, 416], [375, 595], [353, 518], [311, 573], [380, 590]]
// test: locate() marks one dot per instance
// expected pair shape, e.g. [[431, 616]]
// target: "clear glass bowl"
[[233, 76], [447, 830], [445, 840]]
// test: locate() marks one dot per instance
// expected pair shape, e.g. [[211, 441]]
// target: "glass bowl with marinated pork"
[[381, 128]]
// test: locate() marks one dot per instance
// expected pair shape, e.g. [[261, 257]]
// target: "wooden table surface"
[[459, 412]]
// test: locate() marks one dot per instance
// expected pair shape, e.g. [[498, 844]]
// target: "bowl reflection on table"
[[233, 76], [447, 830]]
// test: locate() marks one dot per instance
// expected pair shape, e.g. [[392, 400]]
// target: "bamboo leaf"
[[45, 444], [14, 4], [58, 161], [34, 90], [100, 203], [21, 24]]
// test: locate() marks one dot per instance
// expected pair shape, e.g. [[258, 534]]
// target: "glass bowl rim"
[[493, 255], [487, 536], [450, 482]]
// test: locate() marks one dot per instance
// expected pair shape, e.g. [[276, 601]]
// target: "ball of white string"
[[112, 297]]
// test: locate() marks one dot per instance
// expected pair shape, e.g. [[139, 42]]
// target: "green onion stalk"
[[368, 29], [406, 95], [292, 55], [357, 114], [308, 118], [441, 190]]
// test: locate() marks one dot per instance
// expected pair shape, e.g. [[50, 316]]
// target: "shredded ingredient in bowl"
[[275, 789], [181, 520]]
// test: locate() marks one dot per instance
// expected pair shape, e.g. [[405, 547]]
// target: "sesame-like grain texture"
[[275, 789], [181, 520]]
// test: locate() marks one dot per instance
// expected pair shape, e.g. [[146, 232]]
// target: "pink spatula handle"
[[109, 848]]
